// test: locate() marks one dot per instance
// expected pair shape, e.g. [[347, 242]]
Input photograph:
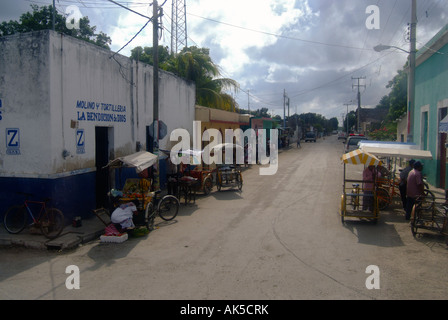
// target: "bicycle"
[[433, 218], [167, 208], [50, 220]]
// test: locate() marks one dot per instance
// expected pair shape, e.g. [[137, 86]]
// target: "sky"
[[312, 50]]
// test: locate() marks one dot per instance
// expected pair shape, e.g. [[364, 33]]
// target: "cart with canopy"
[[139, 191], [391, 152], [354, 199]]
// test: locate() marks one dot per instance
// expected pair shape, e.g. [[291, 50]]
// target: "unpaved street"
[[281, 238]]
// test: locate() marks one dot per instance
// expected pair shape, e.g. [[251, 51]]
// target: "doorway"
[[102, 147]]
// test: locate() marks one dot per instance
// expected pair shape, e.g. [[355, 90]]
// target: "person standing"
[[368, 177], [403, 182], [415, 188]]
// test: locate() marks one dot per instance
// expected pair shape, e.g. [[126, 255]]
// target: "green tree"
[[41, 18], [195, 64], [146, 55], [398, 95]]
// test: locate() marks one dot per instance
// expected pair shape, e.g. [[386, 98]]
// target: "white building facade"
[[67, 108]]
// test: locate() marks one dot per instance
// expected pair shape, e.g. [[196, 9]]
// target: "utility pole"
[[155, 36], [54, 14], [248, 100], [359, 99], [412, 66], [284, 107], [346, 117]]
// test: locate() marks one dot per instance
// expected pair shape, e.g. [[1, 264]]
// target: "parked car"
[[352, 142], [342, 135], [310, 136]]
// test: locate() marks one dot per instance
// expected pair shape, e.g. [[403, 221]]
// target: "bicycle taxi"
[[141, 191], [355, 203], [390, 152], [229, 175]]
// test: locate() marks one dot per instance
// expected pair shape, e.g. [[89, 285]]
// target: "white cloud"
[[324, 43]]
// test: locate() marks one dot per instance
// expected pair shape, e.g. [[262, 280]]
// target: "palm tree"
[[195, 64]]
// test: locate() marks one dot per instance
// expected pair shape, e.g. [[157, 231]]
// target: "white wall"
[[45, 77]]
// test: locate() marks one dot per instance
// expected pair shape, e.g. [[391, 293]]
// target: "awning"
[[396, 152], [359, 156], [140, 161], [443, 127]]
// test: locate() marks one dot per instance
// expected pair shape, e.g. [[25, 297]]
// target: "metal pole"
[[156, 89], [412, 66], [54, 13], [284, 108]]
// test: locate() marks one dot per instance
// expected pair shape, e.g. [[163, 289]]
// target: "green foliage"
[[387, 132], [41, 18], [195, 64], [397, 98], [318, 122]]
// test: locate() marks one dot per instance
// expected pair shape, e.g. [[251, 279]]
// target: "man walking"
[[415, 187]]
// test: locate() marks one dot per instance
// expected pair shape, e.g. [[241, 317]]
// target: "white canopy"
[[140, 161], [400, 150]]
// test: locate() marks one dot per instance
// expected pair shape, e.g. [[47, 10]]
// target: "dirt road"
[[281, 238]]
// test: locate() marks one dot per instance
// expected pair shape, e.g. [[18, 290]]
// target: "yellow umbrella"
[[361, 157]]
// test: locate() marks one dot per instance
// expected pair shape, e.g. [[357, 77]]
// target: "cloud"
[[310, 48]]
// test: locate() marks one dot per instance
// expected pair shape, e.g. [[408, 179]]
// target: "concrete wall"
[[55, 91], [430, 98]]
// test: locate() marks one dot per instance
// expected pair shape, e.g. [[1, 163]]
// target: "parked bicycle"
[[50, 220], [433, 217], [166, 208]]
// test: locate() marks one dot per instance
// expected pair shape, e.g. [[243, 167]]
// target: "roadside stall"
[[356, 202], [138, 191]]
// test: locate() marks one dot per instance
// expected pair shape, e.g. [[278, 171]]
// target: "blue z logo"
[[12, 141], [12, 138], [80, 138], [80, 141]]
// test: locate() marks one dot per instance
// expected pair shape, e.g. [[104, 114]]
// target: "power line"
[[281, 36]]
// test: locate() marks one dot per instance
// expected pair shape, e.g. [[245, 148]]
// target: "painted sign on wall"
[[80, 141], [100, 112], [12, 141]]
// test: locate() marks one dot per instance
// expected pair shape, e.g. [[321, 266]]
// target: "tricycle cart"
[[229, 177], [138, 191], [430, 215], [355, 202], [388, 184], [204, 177]]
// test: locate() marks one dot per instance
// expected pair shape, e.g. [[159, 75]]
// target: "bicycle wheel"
[[384, 198], [415, 221], [15, 219], [168, 207], [239, 179], [52, 223], [428, 200], [208, 185], [149, 216]]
